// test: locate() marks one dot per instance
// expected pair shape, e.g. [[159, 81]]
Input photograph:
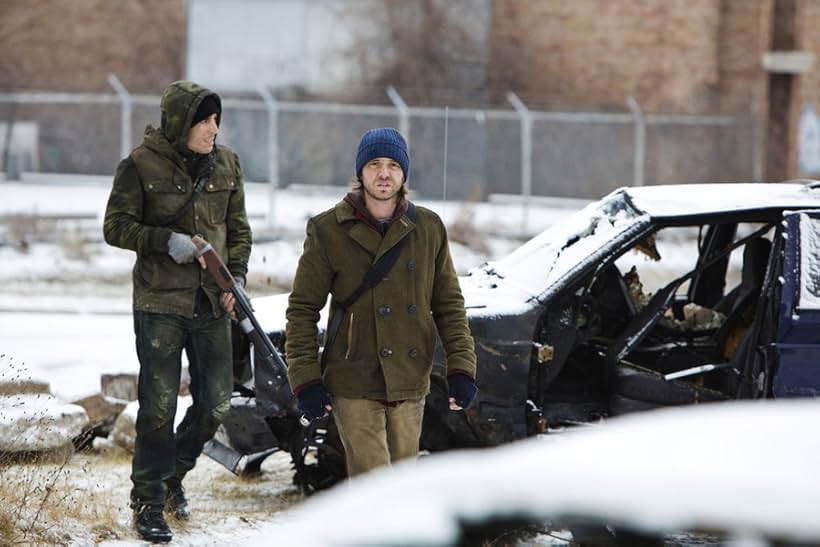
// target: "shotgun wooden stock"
[[214, 264], [264, 348]]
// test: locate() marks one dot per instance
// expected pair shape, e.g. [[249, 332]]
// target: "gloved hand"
[[312, 401], [462, 388], [181, 248]]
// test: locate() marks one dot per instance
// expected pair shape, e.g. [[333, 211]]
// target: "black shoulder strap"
[[198, 186], [200, 183], [373, 277]]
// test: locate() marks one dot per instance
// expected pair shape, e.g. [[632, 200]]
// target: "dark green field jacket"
[[151, 185], [384, 347]]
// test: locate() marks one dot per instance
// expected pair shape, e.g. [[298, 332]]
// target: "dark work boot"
[[150, 523], [176, 504]]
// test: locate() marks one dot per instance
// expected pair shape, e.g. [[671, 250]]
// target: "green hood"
[[179, 103]]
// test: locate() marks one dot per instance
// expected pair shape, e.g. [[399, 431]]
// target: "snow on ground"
[[70, 351], [38, 421]]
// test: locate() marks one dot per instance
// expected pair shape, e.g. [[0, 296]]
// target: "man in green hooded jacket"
[[176, 184]]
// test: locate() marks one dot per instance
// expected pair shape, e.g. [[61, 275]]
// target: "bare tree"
[[425, 48]]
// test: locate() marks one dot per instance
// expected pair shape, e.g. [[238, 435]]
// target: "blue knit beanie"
[[383, 142]]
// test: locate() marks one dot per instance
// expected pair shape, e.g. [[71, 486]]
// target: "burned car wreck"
[[651, 297]]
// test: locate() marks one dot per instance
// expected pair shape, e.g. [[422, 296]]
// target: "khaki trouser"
[[374, 434]]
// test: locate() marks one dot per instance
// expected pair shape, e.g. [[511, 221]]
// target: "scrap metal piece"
[[223, 454], [545, 352]]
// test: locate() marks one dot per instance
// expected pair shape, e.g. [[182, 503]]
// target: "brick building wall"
[[662, 52], [745, 34], [72, 45], [687, 56]]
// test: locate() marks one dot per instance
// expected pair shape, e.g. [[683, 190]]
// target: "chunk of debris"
[[32, 422], [124, 430], [119, 386], [102, 411]]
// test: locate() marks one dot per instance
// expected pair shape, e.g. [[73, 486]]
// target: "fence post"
[[125, 114], [404, 113], [526, 157], [757, 136], [273, 152], [640, 141], [444, 168]]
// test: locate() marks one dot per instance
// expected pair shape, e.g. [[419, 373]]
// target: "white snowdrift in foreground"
[[747, 468]]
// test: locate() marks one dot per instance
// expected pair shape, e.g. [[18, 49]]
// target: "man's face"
[[202, 136], [382, 179]]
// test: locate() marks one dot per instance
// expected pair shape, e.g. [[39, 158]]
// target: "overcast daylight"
[[409, 272]]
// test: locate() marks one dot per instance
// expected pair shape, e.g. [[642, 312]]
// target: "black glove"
[[181, 248], [462, 389], [312, 400]]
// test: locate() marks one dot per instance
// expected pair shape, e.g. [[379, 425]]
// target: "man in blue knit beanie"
[[374, 372], [383, 142]]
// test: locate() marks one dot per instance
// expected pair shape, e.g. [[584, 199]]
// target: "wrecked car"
[[651, 297]]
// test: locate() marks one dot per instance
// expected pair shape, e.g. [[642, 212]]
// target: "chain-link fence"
[[456, 153]]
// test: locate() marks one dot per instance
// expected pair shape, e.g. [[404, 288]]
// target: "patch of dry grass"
[[84, 498], [47, 497], [39, 490]]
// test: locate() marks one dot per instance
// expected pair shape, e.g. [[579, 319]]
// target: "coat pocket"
[[350, 338], [429, 332], [218, 191], [163, 199]]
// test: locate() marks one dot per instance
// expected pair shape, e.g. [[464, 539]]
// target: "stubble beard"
[[390, 197]]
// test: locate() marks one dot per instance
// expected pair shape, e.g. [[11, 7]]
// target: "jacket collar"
[[368, 237]]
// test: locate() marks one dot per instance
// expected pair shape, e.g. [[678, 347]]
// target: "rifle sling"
[[373, 277]]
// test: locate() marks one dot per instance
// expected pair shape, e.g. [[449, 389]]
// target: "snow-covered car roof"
[[744, 468], [683, 200]]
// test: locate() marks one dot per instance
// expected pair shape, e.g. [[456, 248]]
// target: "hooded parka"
[[384, 347], [152, 184]]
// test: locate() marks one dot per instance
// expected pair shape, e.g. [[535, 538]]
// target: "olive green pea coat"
[[384, 347], [151, 185]]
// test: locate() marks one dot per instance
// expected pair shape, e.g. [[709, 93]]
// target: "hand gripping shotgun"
[[276, 370]]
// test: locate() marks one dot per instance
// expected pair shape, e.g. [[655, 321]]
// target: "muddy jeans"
[[162, 458], [374, 434]]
